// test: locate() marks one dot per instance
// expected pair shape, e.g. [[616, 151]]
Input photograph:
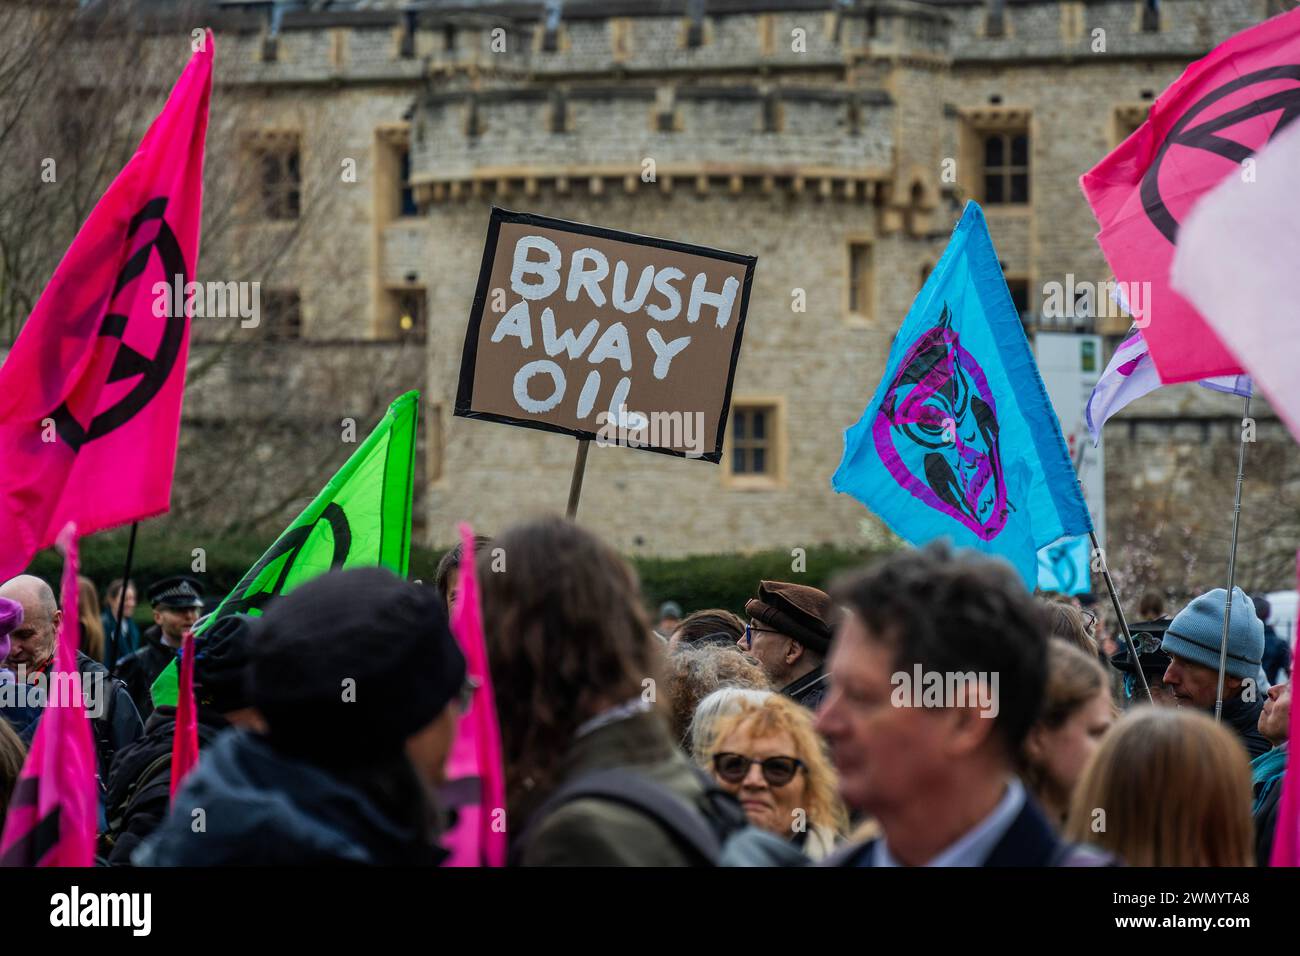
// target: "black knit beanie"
[[222, 653], [349, 665]]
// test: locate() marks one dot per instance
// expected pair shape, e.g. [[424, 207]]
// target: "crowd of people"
[[927, 710]]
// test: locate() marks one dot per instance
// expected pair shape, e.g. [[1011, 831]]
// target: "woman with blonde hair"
[[1065, 621], [1175, 789], [768, 756], [92, 624], [1076, 712]]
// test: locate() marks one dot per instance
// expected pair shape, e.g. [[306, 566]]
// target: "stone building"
[[834, 140]]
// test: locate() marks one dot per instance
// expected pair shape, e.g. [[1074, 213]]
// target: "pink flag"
[[1236, 262], [185, 739], [1199, 132], [54, 808], [474, 765], [90, 395]]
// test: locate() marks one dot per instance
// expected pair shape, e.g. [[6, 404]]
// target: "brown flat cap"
[[795, 610]]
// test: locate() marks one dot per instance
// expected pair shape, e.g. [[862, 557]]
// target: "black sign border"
[[469, 354]]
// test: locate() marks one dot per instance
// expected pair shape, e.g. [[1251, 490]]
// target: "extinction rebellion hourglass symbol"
[[128, 362]]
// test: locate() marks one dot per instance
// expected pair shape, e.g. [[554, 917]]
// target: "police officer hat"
[[176, 593]]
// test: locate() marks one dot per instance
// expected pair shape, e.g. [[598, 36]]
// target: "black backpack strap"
[[687, 825], [140, 786]]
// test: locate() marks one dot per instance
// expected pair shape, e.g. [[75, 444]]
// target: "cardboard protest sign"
[[604, 335]]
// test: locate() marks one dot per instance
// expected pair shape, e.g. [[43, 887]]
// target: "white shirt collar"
[[973, 847]]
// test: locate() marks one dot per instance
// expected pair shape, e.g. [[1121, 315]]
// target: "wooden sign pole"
[[575, 485]]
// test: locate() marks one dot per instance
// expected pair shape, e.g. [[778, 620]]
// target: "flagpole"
[[575, 484], [1119, 613], [1114, 597], [1232, 564], [110, 654]]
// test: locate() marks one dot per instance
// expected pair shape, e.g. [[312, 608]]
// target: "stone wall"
[[880, 97]]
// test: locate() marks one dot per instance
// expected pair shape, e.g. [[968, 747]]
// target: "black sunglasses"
[[777, 771]]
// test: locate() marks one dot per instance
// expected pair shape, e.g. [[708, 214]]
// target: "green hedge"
[[729, 580], [721, 580]]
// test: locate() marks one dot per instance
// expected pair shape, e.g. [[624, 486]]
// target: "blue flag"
[[960, 440], [1063, 567]]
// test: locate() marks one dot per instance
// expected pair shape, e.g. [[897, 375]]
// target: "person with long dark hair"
[[592, 773]]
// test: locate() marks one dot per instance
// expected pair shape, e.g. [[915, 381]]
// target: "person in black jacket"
[[176, 602], [360, 683], [1277, 651], [113, 717], [139, 790], [790, 634], [938, 672]]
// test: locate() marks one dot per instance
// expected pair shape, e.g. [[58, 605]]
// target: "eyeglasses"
[[1089, 621], [465, 696], [751, 630], [777, 771]]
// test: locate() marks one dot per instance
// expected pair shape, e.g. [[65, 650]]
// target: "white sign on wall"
[[1070, 365]]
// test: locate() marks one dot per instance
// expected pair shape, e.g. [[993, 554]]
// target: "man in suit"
[[937, 674]]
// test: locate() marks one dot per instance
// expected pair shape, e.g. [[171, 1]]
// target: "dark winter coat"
[[810, 689], [1277, 655], [1267, 773], [140, 669], [1029, 841], [128, 641], [260, 807], [596, 832], [114, 729], [1243, 717], [139, 788]]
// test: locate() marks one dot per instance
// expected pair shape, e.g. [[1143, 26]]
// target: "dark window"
[[1019, 289], [406, 49], [995, 24], [449, 38], [771, 114], [281, 315], [751, 440], [860, 278], [665, 121], [408, 206], [280, 179], [559, 113], [412, 315], [1006, 168], [1150, 16]]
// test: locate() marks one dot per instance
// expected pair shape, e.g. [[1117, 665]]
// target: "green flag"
[[361, 518]]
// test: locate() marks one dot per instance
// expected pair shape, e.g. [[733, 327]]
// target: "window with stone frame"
[[1150, 15], [1018, 286], [281, 315], [861, 279], [754, 435], [277, 165], [1004, 173], [1126, 119], [406, 192], [410, 308]]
